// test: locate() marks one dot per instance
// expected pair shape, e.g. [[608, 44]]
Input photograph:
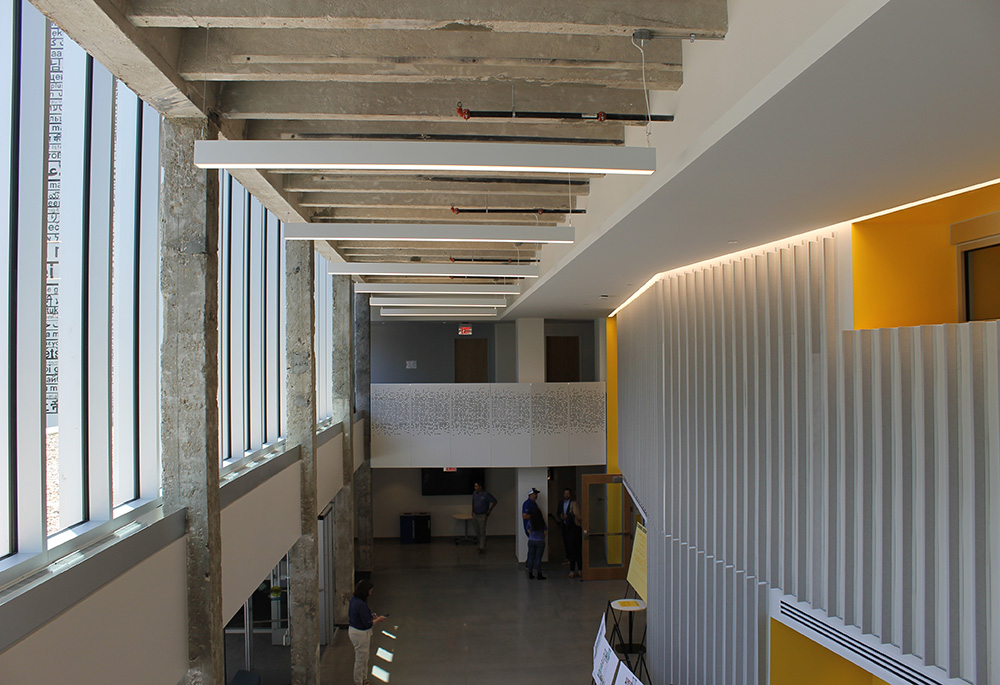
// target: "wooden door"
[[472, 360], [562, 359], [608, 515]]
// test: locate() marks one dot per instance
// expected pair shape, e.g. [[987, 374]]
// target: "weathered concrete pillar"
[[365, 552], [189, 429], [343, 503], [300, 389]]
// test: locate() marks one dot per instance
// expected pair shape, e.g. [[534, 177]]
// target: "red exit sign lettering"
[[465, 330]]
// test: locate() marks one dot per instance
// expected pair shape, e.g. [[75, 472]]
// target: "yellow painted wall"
[[904, 275], [797, 660], [905, 266], [612, 389]]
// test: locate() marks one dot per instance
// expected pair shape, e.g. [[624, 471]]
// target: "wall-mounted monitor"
[[457, 482]]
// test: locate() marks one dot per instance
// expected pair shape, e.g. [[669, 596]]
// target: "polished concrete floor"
[[459, 617]]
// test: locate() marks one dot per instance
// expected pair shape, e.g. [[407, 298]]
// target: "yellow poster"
[[637, 566]]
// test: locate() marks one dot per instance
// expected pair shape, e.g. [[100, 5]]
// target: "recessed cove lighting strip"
[[438, 313], [467, 233], [384, 155], [477, 270], [437, 301], [437, 289]]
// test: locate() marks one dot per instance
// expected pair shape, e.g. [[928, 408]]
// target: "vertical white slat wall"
[[856, 470]]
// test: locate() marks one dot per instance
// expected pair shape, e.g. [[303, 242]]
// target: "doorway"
[[608, 517], [562, 359], [472, 360]]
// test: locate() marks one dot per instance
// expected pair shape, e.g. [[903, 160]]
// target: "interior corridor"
[[459, 617]]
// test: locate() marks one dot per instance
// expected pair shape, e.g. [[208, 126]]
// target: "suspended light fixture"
[[477, 270], [496, 302], [466, 233], [437, 288], [438, 313], [383, 155]]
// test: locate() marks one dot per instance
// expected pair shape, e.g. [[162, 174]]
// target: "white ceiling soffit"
[[422, 156], [857, 132], [466, 233], [430, 301], [457, 269], [438, 288]]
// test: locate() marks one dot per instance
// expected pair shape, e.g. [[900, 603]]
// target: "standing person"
[[536, 543], [528, 505], [569, 515], [360, 631], [482, 506]]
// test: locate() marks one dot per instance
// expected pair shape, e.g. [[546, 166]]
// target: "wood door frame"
[[628, 514]]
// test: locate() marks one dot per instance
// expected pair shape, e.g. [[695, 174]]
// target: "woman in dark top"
[[360, 631], [536, 543]]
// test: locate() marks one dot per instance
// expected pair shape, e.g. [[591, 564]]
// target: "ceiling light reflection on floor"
[[388, 634], [384, 654], [380, 673]]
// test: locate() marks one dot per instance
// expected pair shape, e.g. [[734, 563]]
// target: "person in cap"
[[528, 505], [482, 506]]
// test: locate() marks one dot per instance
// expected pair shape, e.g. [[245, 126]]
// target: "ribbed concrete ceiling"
[[356, 69]]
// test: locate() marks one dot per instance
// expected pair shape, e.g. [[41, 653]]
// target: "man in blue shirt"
[[482, 506]]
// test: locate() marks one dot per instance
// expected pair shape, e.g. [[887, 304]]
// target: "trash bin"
[[414, 528]]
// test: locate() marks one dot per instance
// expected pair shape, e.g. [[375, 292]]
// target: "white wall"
[[132, 630], [395, 491], [257, 530], [771, 451], [530, 335]]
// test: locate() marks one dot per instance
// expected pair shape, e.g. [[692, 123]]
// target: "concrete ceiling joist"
[[416, 102], [301, 183], [432, 200], [140, 59], [575, 132], [443, 215], [585, 17]]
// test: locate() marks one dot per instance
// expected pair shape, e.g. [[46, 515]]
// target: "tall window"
[[323, 289], [79, 319], [251, 323]]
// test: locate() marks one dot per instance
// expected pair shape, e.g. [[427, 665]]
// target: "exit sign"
[[450, 469], [465, 330]]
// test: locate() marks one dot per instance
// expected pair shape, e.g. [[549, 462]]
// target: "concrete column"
[[189, 429], [343, 503], [527, 478], [300, 391], [364, 560], [530, 350]]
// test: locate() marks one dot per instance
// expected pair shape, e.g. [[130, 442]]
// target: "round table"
[[467, 539], [629, 606]]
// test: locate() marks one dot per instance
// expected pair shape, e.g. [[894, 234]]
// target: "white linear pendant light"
[[383, 155], [438, 313], [470, 269], [496, 302], [437, 288], [467, 233]]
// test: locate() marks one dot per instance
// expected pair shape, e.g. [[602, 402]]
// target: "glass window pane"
[[124, 301], [64, 307], [7, 25]]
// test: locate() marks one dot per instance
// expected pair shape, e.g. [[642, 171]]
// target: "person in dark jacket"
[[362, 620], [536, 543]]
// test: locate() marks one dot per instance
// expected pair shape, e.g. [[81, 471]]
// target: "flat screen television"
[[457, 482]]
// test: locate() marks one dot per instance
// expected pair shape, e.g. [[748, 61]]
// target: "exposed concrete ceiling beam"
[[576, 132], [446, 73], [300, 183], [425, 57], [431, 200], [210, 49], [584, 17], [416, 102], [386, 246], [145, 61], [439, 216]]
